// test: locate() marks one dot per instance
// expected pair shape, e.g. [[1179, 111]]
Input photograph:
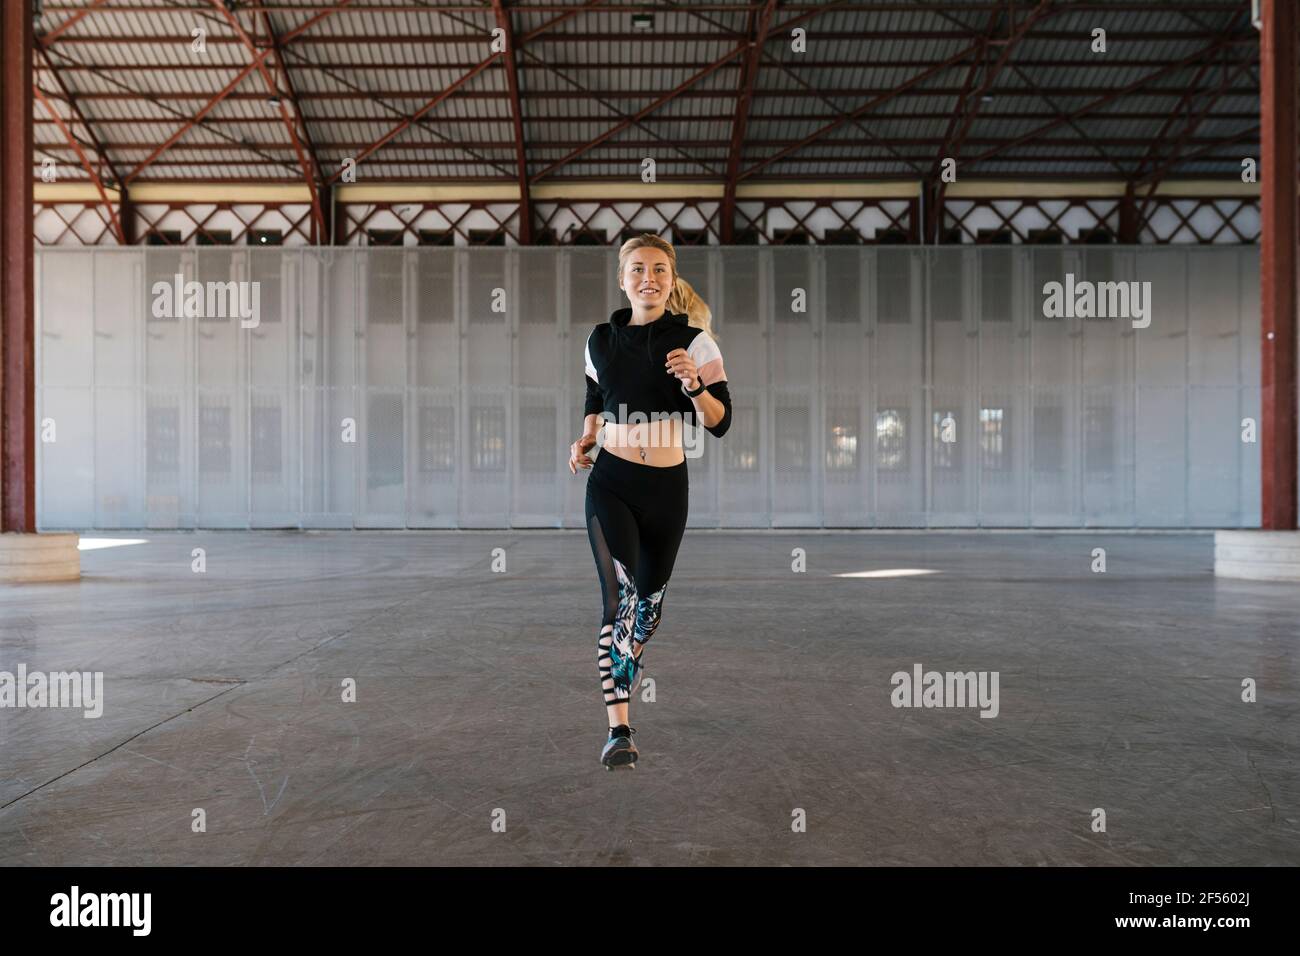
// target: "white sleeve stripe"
[[591, 369]]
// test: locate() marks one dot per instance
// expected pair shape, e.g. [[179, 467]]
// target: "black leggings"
[[636, 515]]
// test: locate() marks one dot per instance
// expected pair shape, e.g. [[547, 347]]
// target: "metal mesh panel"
[[327, 393], [538, 444], [441, 387]]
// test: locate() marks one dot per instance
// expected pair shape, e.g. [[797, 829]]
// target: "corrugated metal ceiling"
[[358, 73]]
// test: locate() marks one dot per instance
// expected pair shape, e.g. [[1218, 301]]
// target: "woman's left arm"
[[711, 411], [713, 405]]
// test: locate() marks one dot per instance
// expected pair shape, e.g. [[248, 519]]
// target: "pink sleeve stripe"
[[712, 371]]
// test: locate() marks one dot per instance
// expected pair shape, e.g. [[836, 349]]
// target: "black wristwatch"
[[696, 392]]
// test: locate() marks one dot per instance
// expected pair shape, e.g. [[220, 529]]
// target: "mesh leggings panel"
[[614, 645]]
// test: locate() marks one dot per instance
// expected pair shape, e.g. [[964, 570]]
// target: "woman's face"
[[647, 278]]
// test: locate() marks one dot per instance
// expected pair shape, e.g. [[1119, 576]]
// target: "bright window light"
[[888, 573], [94, 544]]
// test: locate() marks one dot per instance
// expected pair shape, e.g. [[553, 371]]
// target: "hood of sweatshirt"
[[622, 318], [620, 321]]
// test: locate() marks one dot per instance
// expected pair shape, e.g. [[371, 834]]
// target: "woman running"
[[650, 369]]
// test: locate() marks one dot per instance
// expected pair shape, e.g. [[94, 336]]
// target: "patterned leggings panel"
[[636, 515]]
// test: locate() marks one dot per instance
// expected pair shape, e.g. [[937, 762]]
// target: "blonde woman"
[[650, 369]]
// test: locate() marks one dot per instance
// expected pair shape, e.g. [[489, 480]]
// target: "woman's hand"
[[578, 453], [680, 364]]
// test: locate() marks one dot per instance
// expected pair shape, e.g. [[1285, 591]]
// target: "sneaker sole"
[[620, 758]]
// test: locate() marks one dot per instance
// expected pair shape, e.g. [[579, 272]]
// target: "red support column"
[[126, 214], [17, 329], [1278, 261]]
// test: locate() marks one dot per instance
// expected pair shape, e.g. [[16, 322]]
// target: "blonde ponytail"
[[684, 298]]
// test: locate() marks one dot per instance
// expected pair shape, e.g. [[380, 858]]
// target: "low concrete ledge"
[[1257, 555], [27, 558]]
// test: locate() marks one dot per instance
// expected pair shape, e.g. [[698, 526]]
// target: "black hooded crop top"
[[626, 373]]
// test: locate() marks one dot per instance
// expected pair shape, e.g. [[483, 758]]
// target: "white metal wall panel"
[[1003, 300], [1106, 402], [385, 280], [898, 377], [743, 318], [952, 432], [845, 399], [463, 413], [485, 282], [540, 382], [328, 348], [220, 406], [1162, 403], [67, 480], [1055, 456], [1248, 491], [434, 376], [797, 297]]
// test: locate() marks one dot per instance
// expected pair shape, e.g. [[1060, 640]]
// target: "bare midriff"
[[660, 441]]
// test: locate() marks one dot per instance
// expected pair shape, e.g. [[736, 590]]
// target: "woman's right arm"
[[594, 403], [592, 420]]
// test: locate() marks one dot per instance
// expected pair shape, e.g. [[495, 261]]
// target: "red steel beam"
[[533, 35], [721, 36], [1055, 167], [1278, 259], [641, 113], [85, 163], [448, 91], [1157, 174], [1219, 43], [881, 6], [675, 146], [406, 123], [761, 21], [861, 110], [1087, 138], [555, 21], [1192, 89], [224, 93], [789, 65], [17, 271], [990, 74], [692, 118], [318, 217], [303, 28], [278, 45], [191, 122], [54, 34], [654, 141], [517, 121], [934, 193], [883, 97], [980, 60], [108, 76], [907, 177], [933, 92], [447, 140], [101, 149], [1230, 165]]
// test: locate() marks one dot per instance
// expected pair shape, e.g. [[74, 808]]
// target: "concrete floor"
[[477, 694]]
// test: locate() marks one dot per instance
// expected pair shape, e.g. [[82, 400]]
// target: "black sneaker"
[[619, 750]]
